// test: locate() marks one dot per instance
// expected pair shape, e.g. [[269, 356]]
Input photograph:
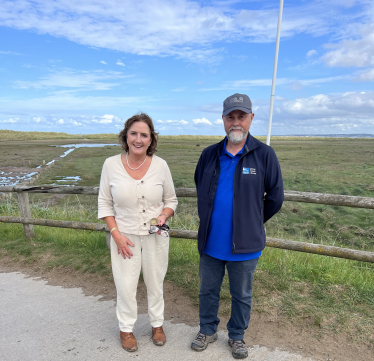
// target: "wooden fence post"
[[24, 205], [107, 239]]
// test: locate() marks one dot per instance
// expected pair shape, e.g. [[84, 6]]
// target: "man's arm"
[[273, 186], [197, 171]]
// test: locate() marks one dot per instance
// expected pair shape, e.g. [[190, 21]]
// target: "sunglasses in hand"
[[163, 230]]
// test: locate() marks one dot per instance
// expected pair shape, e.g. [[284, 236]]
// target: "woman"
[[135, 187]]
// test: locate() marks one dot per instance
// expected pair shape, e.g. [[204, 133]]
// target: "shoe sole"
[[237, 356], [130, 349], [198, 349], [159, 344]]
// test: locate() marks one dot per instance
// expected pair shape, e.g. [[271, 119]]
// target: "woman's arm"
[[169, 198], [165, 215], [106, 212]]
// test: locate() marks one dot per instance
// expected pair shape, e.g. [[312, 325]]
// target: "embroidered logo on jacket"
[[249, 171]]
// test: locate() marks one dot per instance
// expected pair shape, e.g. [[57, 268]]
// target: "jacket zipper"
[[210, 215], [233, 198]]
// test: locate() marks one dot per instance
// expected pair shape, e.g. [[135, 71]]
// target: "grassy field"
[[323, 293], [6, 135]]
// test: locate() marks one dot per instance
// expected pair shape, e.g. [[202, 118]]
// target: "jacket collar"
[[250, 144]]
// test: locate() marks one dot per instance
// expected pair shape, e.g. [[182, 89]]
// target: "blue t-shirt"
[[219, 242]]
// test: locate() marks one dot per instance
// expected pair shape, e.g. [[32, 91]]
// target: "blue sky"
[[87, 66]]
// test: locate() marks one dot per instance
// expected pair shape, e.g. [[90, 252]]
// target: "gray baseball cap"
[[237, 102]]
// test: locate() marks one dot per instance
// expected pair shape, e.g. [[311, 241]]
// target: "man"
[[239, 187]]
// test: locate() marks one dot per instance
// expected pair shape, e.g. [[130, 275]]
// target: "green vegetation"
[[323, 293], [23, 155], [19, 136], [56, 247]]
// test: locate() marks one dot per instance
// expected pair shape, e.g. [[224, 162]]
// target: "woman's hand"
[[161, 220], [123, 244]]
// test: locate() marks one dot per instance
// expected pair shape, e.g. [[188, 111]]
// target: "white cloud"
[[201, 121], [61, 121], [322, 105], [366, 76], [352, 52], [182, 122], [293, 83], [310, 53], [68, 78], [76, 123], [103, 62], [180, 89], [105, 119], [66, 103], [218, 121], [184, 29], [240, 84], [10, 120], [36, 119], [351, 112], [2, 52], [119, 62], [320, 114]]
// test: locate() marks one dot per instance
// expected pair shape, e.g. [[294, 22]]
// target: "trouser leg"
[[211, 271], [240, 278], [126, 276], [155, 254]]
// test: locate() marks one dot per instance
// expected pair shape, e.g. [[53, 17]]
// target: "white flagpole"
[[274, 70]]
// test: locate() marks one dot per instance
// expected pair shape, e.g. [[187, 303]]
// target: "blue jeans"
[[240, 275]]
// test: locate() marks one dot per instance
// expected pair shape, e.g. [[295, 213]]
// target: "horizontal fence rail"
[[305, 197], [187, 234], [291, 196]]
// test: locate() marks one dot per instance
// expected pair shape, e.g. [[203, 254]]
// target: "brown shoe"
[[158, 336], [128, 341]]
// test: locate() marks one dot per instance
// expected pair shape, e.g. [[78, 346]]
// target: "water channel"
[[15, 176]]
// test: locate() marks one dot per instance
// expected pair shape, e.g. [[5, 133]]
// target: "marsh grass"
[[324, 293], [6, 135]]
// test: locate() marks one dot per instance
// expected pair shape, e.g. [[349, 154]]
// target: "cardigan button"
[[145, 224], [143, 210], [142, 182], [142, 196]]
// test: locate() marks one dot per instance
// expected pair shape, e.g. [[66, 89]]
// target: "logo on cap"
[[236, 100]]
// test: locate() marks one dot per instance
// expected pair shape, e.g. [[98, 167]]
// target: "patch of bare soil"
[[266, 329]]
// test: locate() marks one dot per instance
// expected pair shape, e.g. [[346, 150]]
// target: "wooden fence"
[[305, 197]]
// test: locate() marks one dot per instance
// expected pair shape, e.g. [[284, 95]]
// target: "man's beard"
[[236, 137]]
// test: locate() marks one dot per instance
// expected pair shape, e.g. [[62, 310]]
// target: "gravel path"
[[42, 322]]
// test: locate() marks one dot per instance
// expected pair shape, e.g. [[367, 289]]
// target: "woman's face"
[[139, 138]]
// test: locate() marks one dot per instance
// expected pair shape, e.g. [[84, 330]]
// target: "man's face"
[[237, 124]]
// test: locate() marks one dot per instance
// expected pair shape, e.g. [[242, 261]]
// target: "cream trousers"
[[150, 254]]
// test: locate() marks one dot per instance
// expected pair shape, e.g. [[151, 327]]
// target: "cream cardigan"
[[132, 202]]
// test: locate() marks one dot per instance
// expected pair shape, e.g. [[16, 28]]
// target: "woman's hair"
[[140, 117]]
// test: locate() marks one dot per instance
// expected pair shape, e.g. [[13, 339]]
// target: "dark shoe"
[[158, 336], [238, 348], [128, 341], [201, 341]]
